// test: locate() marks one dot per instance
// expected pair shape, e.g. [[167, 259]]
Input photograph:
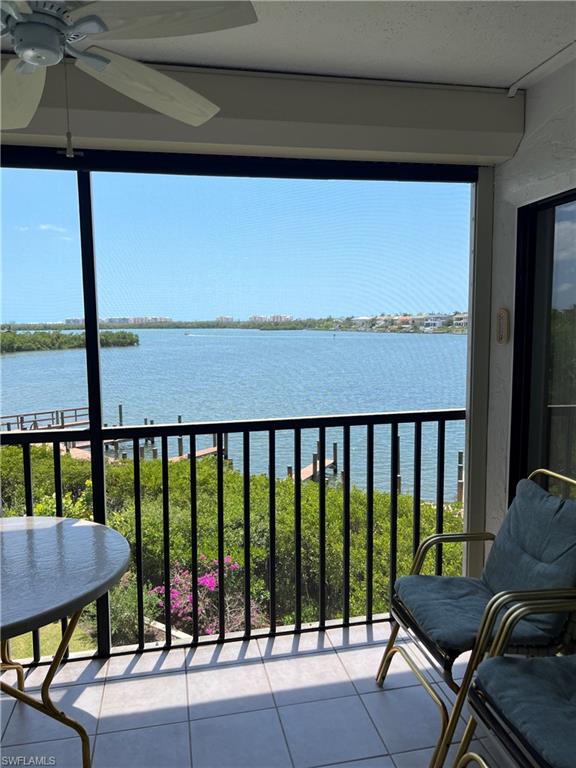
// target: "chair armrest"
[[550, 601], [501, 599], [444, 538]]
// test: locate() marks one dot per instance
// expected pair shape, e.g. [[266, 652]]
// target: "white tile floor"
[[295, 701]]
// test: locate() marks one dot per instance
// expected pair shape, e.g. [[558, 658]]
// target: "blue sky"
[[198, 247]]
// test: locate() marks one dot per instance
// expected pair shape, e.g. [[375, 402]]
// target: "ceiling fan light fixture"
[[38, 44]]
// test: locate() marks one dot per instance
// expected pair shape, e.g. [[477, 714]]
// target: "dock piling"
[[460, 483]]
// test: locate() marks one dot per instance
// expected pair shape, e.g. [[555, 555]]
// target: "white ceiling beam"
[[290, 116]]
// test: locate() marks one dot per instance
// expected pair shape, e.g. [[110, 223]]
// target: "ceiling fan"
[[43, 32]]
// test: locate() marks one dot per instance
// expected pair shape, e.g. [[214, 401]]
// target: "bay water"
[[224, 374]]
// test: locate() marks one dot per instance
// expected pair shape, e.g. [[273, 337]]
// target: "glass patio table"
[[51, 568]]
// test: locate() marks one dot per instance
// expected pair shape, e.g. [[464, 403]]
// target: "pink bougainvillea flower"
[[208, 581]]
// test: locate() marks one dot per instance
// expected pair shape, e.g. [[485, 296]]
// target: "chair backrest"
[[535, 549]]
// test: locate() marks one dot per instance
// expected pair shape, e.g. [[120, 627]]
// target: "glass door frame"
[[533, 295]]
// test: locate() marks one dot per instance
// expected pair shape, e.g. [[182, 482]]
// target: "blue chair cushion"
[[535, 549], [449, 610], [538, 698]]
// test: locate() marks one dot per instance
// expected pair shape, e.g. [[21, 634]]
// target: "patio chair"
[[534, 550], [528, 704]]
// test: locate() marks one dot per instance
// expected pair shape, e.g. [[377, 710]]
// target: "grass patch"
[[50, 636]]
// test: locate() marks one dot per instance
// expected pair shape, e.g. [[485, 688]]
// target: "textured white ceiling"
[[468, 43]]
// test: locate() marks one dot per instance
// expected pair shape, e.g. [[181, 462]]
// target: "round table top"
[[53, 566]]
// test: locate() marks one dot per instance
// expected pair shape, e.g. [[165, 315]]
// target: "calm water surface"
[[206, 375]]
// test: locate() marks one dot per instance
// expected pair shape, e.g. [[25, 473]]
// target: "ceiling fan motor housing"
[[38, 44]]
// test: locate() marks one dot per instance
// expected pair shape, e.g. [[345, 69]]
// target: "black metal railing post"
[[272, 526], [298, 528], [369, 522], [394, 471], [322, 525], [247, 556], [441, 449]]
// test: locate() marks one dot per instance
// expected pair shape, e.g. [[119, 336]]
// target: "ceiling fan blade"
[[16, 8], [132, 20], [149, 87], [21, 94]]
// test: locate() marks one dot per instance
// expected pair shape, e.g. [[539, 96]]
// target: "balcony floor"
[[293, 701]]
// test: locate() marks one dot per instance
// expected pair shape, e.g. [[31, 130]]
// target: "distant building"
[[402, 321], [362, 321], [258, 319], [436, 321], [224, 319], [383, 321], [280, 318], [460, 321], [74, 321], [136, 320]]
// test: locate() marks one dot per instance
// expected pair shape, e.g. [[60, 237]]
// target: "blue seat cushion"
[[535, 549], [538, 699], [449, 610]]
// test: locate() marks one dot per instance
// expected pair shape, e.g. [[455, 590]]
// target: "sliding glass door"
[[545, 360]]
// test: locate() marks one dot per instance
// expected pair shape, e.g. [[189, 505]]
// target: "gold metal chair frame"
[[471, 757], [491, 613], [555, 601], [46, 705]]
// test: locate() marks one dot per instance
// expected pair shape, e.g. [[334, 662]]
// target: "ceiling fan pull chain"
[[69, 146]]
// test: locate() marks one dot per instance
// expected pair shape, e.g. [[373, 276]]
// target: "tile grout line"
[[364, 706], [16, 702], [93, 750], [100, 707], [277, 710], [189, 721]]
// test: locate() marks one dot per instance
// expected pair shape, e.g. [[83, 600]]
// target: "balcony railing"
[[384, 468]]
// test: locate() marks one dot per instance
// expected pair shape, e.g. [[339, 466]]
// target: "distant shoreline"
[[322, 324]]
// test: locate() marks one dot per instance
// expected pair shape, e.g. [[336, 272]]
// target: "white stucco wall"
[[544, 165]]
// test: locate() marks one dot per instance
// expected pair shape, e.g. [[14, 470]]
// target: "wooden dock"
[[199, 454], [56, 419], [312, 471], [81, 450]]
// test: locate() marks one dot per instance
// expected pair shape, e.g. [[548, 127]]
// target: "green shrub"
[[120, 507]]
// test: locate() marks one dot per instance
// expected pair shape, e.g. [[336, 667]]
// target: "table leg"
[[47, 706], [8, 663]]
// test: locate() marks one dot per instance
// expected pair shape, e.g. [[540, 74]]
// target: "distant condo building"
[[270, 318], [135, 320], [224, 319]]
